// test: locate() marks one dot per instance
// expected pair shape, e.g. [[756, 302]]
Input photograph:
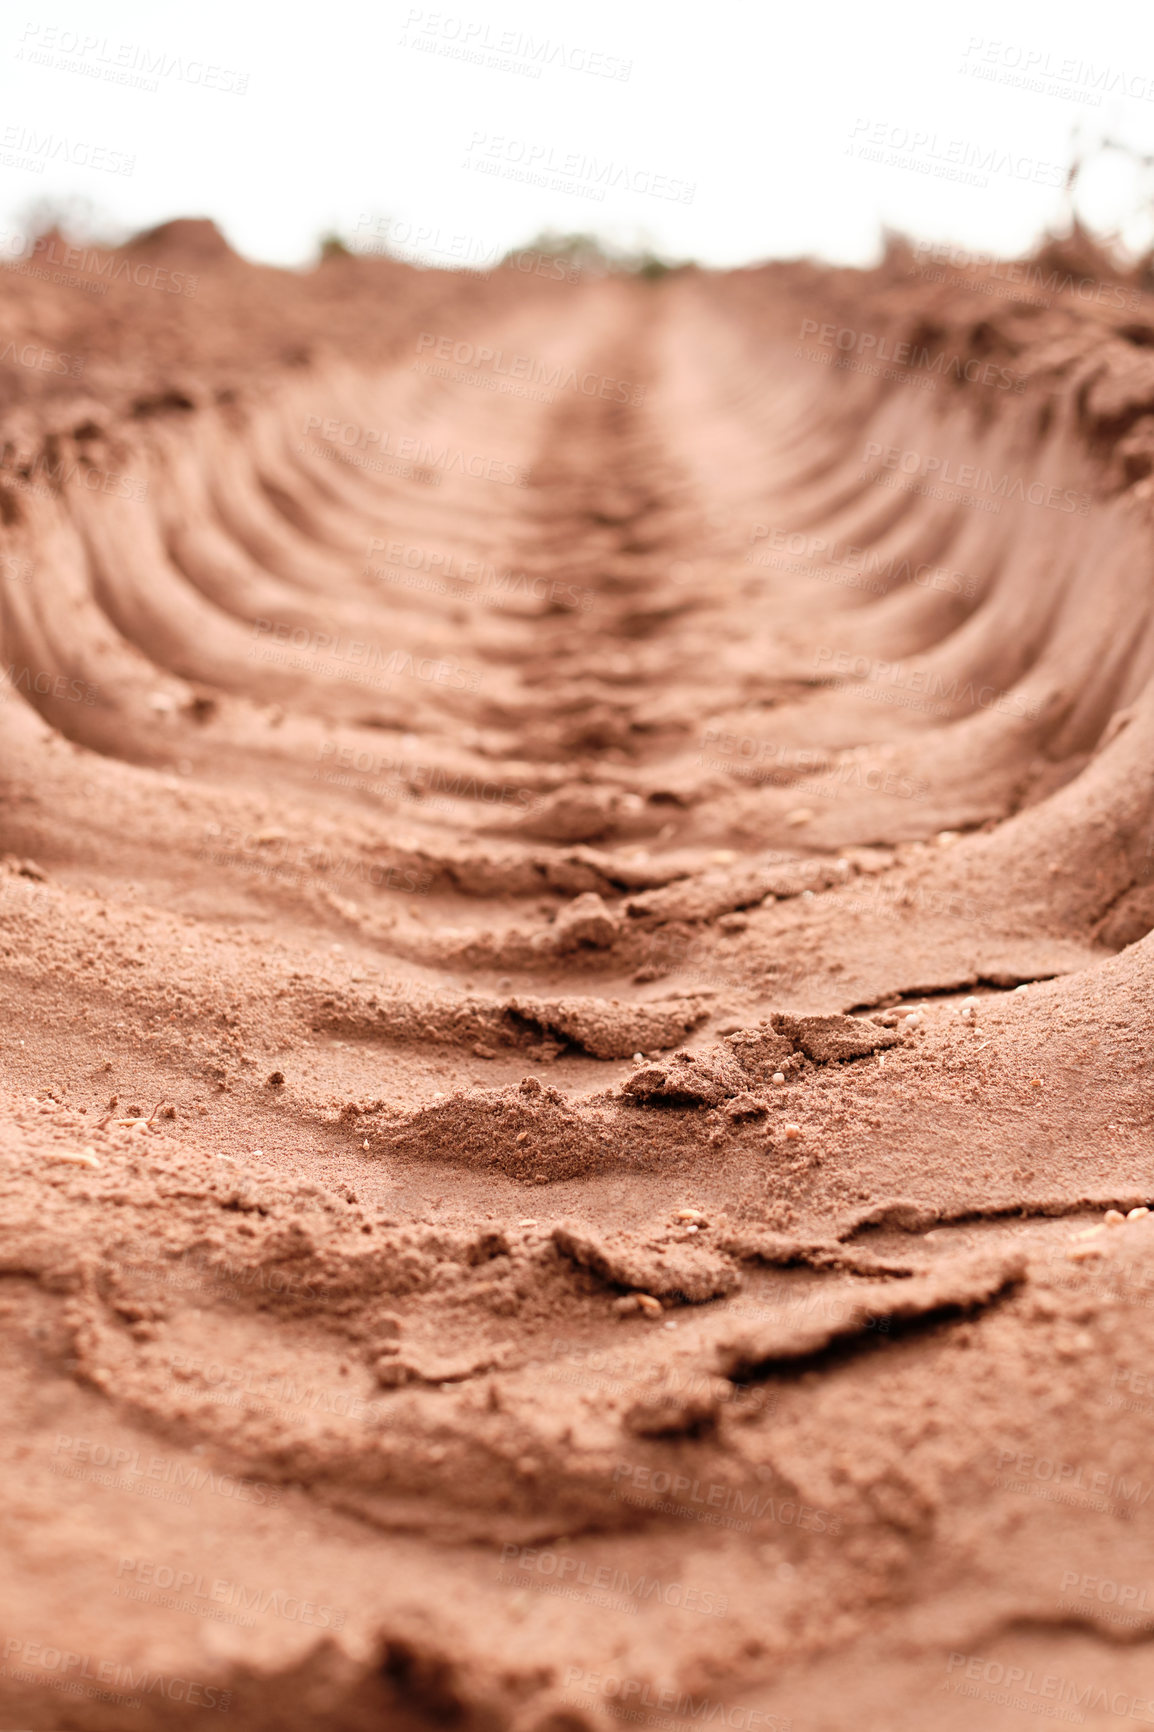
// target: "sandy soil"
[[576, 1090]]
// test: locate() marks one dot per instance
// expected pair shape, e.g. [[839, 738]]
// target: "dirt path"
[[577, 1002]]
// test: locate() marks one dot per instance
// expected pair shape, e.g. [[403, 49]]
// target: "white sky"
[[760, 115]]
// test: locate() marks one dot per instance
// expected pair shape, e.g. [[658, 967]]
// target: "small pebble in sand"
[[793, 1132], [1137, 1214], [690, 1215], [647, 1303], [778, 1076], [522, 1136], [1114, 1218], [527, 1223], [84, 1158]]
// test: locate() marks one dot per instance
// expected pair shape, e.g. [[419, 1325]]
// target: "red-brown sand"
[[576, 1101]]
